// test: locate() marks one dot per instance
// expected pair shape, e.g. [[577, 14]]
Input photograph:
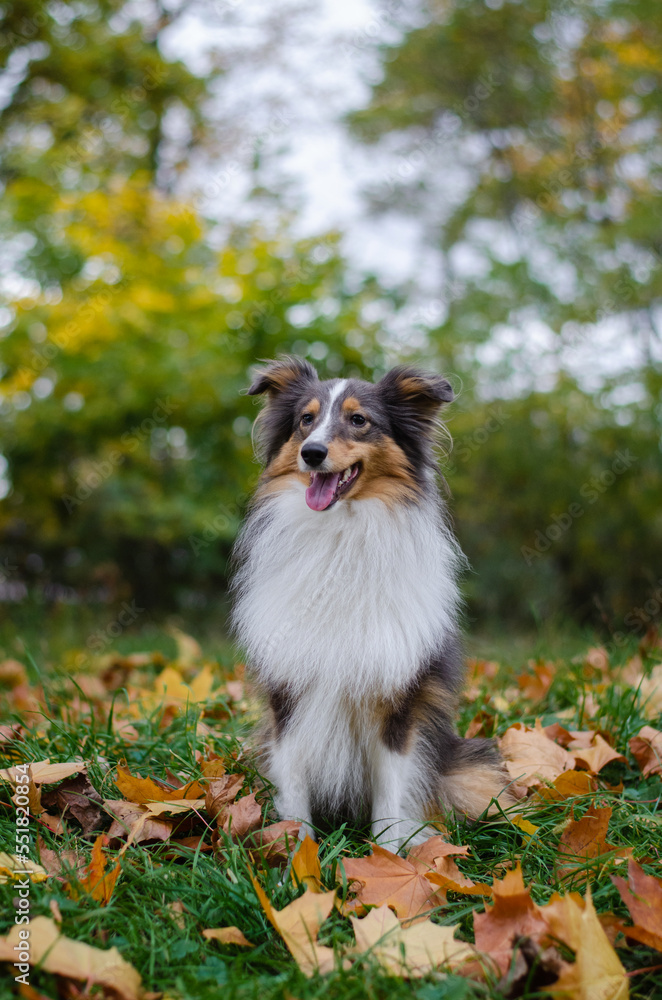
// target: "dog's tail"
[[478, 780]]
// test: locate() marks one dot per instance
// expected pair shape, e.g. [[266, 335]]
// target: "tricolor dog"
[[346, 602]]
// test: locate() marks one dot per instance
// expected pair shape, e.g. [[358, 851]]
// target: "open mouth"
[[327, 487]]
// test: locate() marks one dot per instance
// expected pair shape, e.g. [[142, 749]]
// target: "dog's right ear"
[[281, 374]]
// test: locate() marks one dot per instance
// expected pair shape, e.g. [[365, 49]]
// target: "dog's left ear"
[[281, 374], [416, 394]]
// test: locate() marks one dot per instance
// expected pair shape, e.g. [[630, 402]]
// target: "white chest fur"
[[348, 601]]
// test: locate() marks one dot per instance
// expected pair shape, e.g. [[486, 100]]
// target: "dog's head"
[[346, 438]]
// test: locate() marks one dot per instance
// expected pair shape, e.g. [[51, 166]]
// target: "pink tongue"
[[322, 489]]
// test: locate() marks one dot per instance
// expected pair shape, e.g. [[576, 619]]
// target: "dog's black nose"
[[314, 454]]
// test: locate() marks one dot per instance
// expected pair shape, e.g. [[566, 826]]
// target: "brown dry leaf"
[[408, 952], [221, 791], [482, 724], [53, 952], [651, 693], [241, 817], [79, 798], [298, 924], [56, 862], [531, 757], [133, 821], [534, 687], [398, 882], [306, 869], [642, 894], [434, 854], [513, 915], [228, 935], [584, 840], [596, 973], [598, 658], [212, 768], [567, 785], [97, 882], [175, 807], [597, 755], [646, 748], [274, 844], [143, 790]]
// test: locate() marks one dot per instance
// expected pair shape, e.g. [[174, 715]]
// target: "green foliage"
[[129, 323]]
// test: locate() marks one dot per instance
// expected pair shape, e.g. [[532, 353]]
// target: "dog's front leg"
[[292, 798], [393, 777]]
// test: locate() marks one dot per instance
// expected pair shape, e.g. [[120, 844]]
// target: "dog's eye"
[[357, 419], [307, 419]]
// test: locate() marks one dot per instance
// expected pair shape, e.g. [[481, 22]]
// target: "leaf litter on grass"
[[104, 805]]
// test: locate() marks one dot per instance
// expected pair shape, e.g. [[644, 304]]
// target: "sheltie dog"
[[347, 604]]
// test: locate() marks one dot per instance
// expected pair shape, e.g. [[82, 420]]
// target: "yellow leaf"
[[227, 935], [53, 952], [528, 829], [306, 869], [596, 973], [12, 867], [43, 772], [412, 951], [298, 924]]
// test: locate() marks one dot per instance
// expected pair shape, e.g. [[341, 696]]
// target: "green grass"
[[167, 947]]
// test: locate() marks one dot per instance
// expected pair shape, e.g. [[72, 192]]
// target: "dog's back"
[[347, 604]]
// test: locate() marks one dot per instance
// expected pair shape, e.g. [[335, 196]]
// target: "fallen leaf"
[[53, 952], [306, 869], [408, 952], [96, 881], [221, 791], [513, 915], [596, 973], [241, 817], [435, 854], [276, 842], [298, 924], [79, 798], [534, 686], [642, 894], [531, 757], [584, 840], [170, 688], [13, 867], [397, 882], [598, 658], [597, 755], [189, 651], [59, 862], [175, 807], [566, 786], [133, 821], [143, 790], [43, 772], [646, 748], [227, 935]]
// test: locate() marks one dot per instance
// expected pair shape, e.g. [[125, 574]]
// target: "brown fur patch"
[[313, 406], [351, 405], [283, 466], [385, 471], [472, 789]]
